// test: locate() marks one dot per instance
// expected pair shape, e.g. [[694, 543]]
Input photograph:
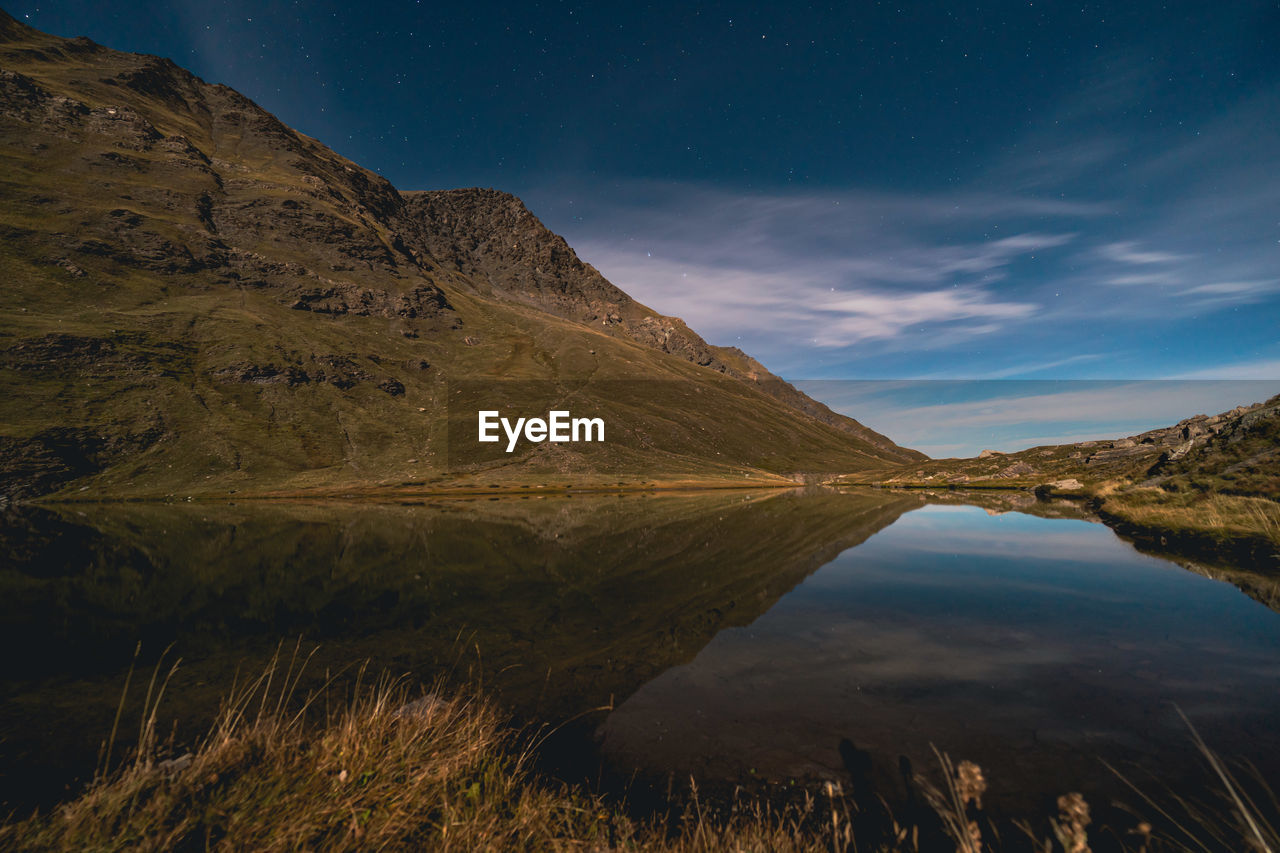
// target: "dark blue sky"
[[1034, 190]]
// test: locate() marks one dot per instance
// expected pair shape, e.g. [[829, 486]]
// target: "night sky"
[[862, 190]]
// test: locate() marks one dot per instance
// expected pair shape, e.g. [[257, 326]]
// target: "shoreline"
[[402, 497], [1188, 538], [376, 494]]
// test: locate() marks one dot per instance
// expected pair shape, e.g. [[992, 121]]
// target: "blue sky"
[[1011, 190], [957, 418], [979, 282]]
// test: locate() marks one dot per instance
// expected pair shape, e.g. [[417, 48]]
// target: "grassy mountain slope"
[[199, 299]]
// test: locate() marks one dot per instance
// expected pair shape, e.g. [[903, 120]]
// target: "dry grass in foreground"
[[387, 770], [391, 771]]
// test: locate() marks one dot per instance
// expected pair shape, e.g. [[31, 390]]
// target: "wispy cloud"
[[821, 270], [1027, 369], [1235, 291], [816, 307], [1160, 279], [1265, 368], [1130, 253], [859, 315], [1163, 400]]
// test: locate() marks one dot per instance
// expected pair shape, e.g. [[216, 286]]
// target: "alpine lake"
[[767, 638]]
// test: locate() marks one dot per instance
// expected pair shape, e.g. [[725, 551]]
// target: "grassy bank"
[[398, 769], [1231, 526], [1229, 516]]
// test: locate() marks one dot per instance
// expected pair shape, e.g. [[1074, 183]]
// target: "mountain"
[[203, 300]]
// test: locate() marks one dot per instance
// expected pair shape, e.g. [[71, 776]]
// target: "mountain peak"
[[492, 237]]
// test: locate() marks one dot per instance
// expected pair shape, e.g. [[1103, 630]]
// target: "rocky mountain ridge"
[[492, 237], [1234, 452]]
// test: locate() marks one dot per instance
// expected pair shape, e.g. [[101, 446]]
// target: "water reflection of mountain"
[[1033, 645], [1255, 581], [556, 604]]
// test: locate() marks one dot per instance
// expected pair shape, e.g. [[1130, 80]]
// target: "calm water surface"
[[734, 635], [1033, 646]]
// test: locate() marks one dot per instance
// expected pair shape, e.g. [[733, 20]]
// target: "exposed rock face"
[[55, 456], [263, 374], [340, 371], [345, 298], [392, 387], [1118, 452], [492, 238], [130, 355], [1017, 469]]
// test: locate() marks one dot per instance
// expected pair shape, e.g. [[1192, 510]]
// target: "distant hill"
[[1204, 490], [199, 299], [1234, 453]]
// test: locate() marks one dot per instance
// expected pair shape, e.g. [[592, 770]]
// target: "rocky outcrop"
[[40, 463], [423, 301], [1237, 452], [1017, 469], [122, 355], [263, 374], [342, 372], [492, 238]]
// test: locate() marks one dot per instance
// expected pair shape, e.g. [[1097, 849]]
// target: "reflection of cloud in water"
[[1065, 545], [951, 530], [963, 549], [1034, 646], [865, 654]]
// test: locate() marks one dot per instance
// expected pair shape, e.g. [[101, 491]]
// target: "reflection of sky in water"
[[1012, 639]]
